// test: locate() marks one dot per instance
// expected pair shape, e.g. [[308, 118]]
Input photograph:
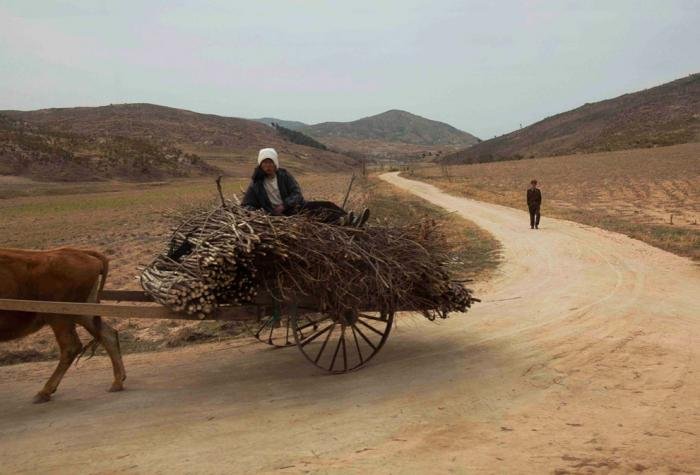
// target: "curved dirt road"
[[582, 358]]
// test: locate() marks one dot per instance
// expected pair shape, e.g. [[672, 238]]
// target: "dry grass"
[[126, 222], [633, 192], [477, 251]]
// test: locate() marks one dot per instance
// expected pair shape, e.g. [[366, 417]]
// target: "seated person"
[[275, 191]]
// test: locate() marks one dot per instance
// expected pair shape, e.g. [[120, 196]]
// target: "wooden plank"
[[80, 308], [121, 311]]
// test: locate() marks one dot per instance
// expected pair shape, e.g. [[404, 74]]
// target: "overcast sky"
[[482, 66]]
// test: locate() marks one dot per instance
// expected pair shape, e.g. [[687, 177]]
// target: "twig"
[[221, 193], [347, 193]]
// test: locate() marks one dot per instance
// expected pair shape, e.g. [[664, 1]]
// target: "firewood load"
[[227, 255]]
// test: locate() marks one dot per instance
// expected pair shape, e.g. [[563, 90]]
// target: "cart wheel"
[[341, 344], [275, 328]]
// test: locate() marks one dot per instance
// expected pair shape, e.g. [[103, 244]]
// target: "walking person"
[[274, 190], [534, 201]]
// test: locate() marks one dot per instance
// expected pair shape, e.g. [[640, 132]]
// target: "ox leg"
[[109, 338], [70, 346]]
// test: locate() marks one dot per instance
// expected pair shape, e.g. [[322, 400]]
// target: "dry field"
[[126, 221], [633, 192]]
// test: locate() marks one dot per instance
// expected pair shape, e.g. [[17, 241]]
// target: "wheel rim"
[[341, 344], [274, 329]]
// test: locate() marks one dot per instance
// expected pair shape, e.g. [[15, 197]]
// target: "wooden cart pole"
[[352, 179]]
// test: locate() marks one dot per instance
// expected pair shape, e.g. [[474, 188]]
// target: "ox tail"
[[91, 347], [97, 320], [103, 272], [95, 297]]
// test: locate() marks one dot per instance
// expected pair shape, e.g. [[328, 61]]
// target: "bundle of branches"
[[226, 255]]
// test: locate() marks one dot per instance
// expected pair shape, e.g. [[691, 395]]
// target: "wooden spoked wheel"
[[339, 344], [273, 327]]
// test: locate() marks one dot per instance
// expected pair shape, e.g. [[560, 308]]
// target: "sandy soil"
[[582, 358]]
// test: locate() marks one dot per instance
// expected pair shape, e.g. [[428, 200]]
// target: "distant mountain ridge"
[[394, 126], [663, 115], [289, 124], [391, 132]]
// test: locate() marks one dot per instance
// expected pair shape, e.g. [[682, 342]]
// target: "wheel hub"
[[347, 317]]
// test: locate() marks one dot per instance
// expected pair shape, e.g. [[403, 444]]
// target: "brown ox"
[[62, 275]]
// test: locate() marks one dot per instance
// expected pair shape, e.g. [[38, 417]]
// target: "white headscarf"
[[270, 153]]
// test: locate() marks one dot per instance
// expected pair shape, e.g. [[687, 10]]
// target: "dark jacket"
[[256, 196], [534, 198]]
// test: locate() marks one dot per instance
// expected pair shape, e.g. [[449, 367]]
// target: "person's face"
[[268, 167], [533, 185]]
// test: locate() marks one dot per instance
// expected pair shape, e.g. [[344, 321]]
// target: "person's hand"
[[278, 210]]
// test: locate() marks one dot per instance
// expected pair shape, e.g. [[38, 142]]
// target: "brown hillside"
[[224, 141], [27, 150], [663, 115], [151, 122]]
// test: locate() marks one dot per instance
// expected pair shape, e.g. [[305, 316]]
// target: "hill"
[[227, 142], [663, 115], [391, 133], [289, 124], [29, 151], [297, 137]]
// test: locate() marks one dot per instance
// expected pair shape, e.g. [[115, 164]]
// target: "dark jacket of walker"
[[256, 196], [534, 198]]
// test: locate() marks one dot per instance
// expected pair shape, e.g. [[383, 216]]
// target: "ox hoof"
[[41, 398], [116, 387]]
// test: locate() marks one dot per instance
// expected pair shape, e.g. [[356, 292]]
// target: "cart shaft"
[[122, 311]]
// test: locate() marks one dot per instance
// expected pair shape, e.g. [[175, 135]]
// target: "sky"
[[486, 67]]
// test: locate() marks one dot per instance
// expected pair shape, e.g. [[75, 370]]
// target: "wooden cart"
[[334, 343]]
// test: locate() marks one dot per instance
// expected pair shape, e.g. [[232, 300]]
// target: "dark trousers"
[[323, 211], [534, 216]]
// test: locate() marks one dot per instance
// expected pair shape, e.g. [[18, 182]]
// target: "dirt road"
[[583, 357]]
